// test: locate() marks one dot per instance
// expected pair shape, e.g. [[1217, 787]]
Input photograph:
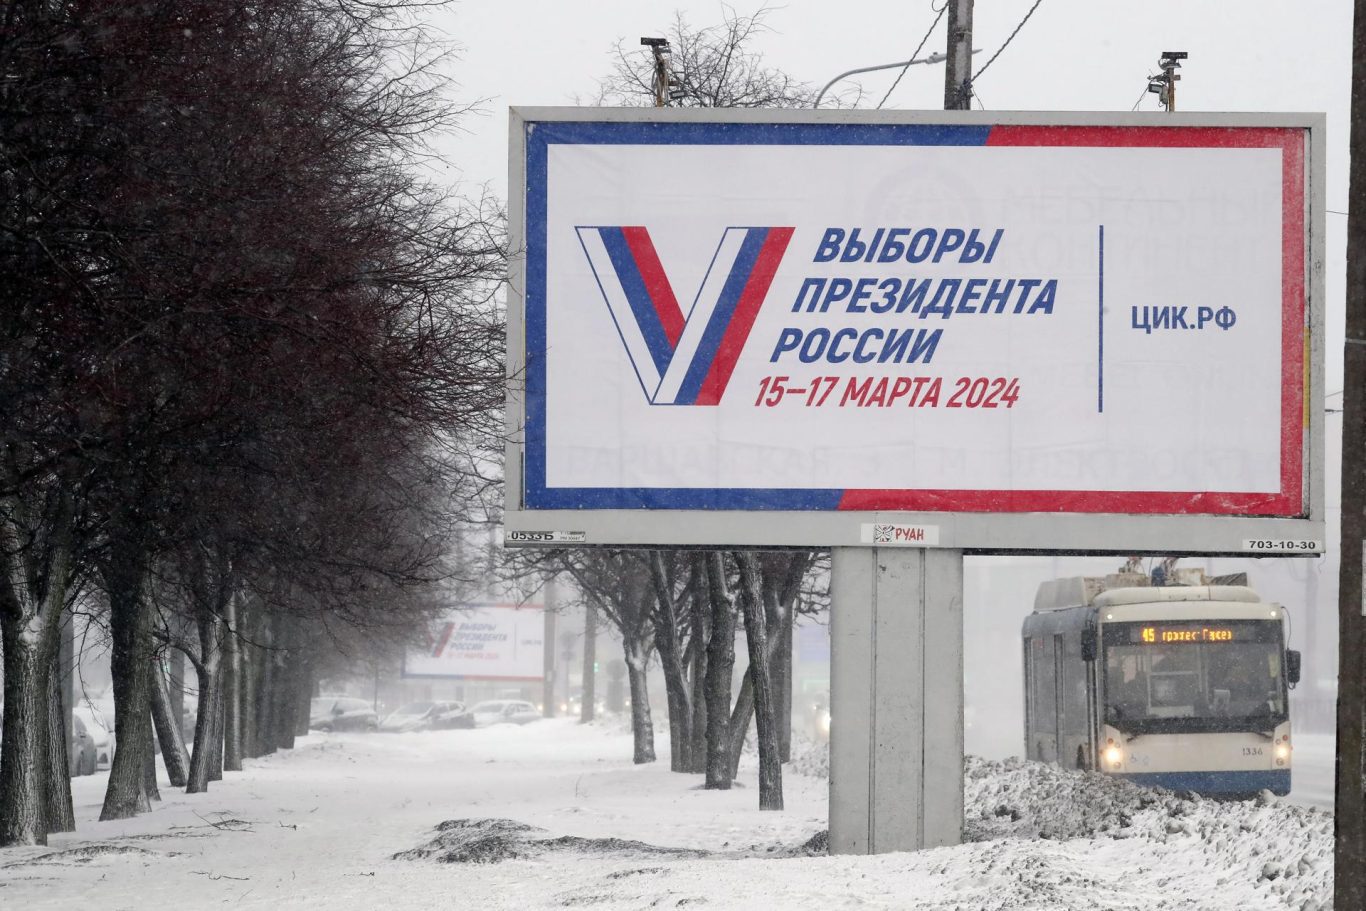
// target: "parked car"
[[454, 715], [100, 727], [427, 716], [504, 711], [341, 713], [83, 758]]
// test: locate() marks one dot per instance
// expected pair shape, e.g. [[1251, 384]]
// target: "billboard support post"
[[548, 687], [896, 699]]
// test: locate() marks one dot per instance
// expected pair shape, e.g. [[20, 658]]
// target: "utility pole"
[[1349, 826], [1165, 85], [958, 67], [660, 83], [588, 692]]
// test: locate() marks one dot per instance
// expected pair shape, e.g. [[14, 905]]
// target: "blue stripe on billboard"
[[533, 477], [647, 315], [683, 498], [833, 134], [735, 284]]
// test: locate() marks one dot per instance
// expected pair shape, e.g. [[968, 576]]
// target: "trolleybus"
[[1182, 686]]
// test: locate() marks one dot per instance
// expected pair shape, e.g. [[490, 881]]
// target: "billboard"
[[483, 642], [749, 325]]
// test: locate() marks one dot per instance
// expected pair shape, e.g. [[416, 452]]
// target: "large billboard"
[[483, 642], [739, 325]]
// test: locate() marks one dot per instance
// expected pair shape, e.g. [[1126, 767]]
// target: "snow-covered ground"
[[577, 825]]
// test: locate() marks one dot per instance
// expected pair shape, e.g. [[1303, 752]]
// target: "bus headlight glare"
[[1282, 751], [1114, 755]]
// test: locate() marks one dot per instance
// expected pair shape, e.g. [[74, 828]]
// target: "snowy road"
[[318, 827], [1314, 770]]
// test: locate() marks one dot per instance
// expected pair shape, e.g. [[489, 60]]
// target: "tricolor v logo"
[[683, 360]]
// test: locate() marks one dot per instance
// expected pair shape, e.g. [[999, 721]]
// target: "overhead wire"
[[918, 49], [1006, 44]]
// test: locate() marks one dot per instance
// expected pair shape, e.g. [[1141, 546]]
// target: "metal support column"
[[896, 699]]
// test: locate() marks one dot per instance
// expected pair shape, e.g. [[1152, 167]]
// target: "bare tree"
[[712, 67]]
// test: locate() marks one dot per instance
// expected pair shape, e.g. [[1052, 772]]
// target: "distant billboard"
[[917, 323], [483, 642]]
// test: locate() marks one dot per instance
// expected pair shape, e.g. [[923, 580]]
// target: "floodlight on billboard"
[[969, 330]]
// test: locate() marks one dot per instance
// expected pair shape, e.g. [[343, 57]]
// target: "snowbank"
[[1283, 852]]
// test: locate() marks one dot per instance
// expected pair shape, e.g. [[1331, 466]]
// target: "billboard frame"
[[973, 532]]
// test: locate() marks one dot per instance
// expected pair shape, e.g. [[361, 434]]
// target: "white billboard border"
[[970, 532]]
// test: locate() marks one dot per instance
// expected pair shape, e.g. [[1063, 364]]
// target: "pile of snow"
[[491, 841], [1284, 851]]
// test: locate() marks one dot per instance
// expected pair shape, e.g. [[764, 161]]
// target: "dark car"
[[341, 713], [452, 715]]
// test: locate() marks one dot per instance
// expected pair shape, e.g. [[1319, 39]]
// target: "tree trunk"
[[664, 618], [171, 737], [642, 727], [303, 693], [720, 664], [782, 680], [206, 669], [698, 645], [265, 691], [250, 672], [23, 741], [232, 687], [283, 698], [588, 702], [130, 628], [740, 717], [216, 731], [60, 816], [175, 690], [149, 766], [765, 722]]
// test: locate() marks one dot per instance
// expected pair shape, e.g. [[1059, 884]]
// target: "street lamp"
[[933, 58]]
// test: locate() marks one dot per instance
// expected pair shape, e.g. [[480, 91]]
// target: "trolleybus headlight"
[[1282, 751], [1114, 755]]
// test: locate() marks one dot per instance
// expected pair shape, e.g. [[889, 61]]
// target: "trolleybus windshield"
[[1167, 676]]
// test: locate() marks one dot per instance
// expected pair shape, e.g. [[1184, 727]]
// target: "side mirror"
[[1088, 643], [1292, 666]]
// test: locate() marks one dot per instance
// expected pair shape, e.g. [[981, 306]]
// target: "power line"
[[919, 47], [1007, 41], [1141, 95]]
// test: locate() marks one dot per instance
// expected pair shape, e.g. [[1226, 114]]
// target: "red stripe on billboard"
[[1078, 501], [445, 637], [656, 282], [746, 310]]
